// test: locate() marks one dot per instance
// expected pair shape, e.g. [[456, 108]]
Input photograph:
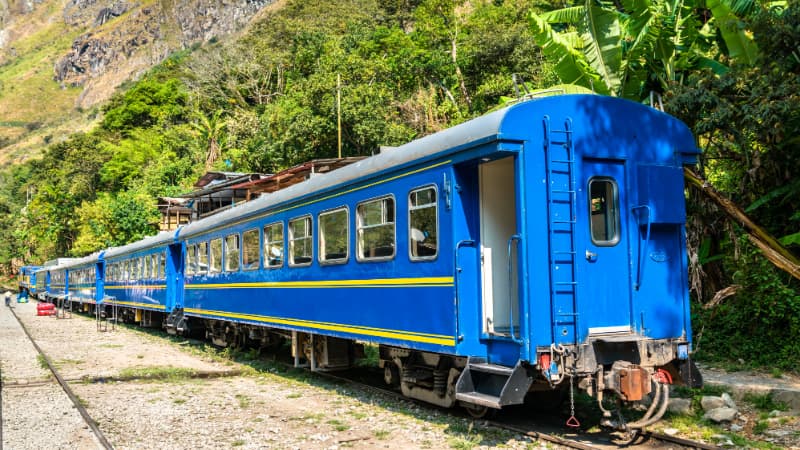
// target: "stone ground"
[[275, 409], [255, 410]]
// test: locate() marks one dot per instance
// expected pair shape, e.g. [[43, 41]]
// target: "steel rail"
[[75, 401]]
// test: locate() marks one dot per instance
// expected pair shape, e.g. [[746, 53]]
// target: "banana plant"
[[622, 48]]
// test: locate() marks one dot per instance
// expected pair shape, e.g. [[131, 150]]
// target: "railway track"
[[101, 439], [361, 380], [583, 442]]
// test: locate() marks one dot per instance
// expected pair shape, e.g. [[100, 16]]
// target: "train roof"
[[78, 262], [161, 239]]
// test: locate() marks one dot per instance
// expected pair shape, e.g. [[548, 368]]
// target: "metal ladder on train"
[[562, 214]]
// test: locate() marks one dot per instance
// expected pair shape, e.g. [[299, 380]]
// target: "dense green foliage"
[[267, 100], [748, 123]]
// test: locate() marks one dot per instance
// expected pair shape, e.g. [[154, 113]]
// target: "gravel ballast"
[[260, 409]]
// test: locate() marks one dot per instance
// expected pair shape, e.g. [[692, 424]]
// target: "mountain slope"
[[59, 59]]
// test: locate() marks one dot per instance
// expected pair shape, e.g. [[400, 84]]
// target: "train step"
[[492, 385]]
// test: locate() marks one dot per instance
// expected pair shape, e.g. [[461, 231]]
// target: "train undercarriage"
[[614, 370]]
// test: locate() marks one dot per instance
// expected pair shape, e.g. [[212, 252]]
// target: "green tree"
[[148, 103]]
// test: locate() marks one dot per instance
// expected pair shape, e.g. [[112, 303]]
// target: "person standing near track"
[[8, 298]]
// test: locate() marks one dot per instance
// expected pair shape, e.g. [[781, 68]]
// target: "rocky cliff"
[[125, 38]]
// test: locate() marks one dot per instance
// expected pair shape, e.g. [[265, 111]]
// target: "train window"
[[334, 235], [376, 229], [423, 223], [232, 252], [162, 273], [215, 256], [154, 266], [148, 266], [202, 257], [604, 211], [250, 247], [134, 269], [273, 245], [191, 260], [300, 241]]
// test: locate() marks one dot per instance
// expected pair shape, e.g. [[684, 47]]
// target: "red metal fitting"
[[662, 376]]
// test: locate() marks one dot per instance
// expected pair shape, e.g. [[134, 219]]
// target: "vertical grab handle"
[[642, 260], [457, 270], [515, 238]]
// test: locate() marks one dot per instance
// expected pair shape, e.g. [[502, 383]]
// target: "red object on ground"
[[45, 309]]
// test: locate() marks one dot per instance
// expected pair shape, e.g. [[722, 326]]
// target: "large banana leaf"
[[741, 46], [603, 44], [570, 63]]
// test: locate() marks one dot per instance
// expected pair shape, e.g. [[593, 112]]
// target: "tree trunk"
[[769, 246]]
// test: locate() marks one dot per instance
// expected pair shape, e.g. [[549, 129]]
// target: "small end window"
[[423, 224], [604, 211]]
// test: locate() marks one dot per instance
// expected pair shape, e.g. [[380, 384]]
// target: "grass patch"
[[381, 435], [294, 395], [359, 415], [110, 345], [42, 362], [244, 401], [338, 425], [67, 362], [764, 402], [157, 373], [237, 443]]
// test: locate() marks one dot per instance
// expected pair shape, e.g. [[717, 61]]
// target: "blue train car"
[[27, 280], [533, 249], [537, 246], [82, 281], [140, 279], [57, 290]]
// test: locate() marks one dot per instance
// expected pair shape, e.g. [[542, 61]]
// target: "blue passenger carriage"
[[539, 244], [84, 283], [136, 279], [27, 279], [538, 247]]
